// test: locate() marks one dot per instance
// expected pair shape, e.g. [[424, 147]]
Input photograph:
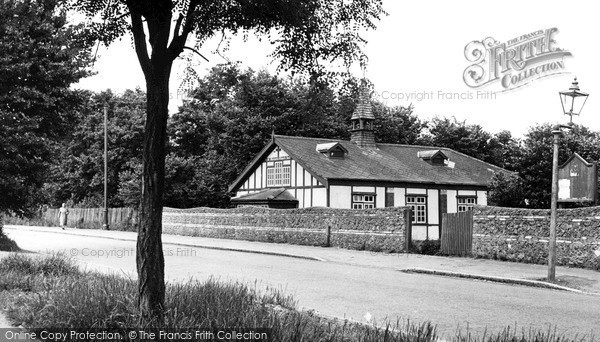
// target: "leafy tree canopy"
[[507, 191], [535, 164], [77, 175], [397, 125], [41, 55], [499, 149]]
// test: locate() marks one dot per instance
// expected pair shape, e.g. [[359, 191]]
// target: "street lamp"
[[572, 101]]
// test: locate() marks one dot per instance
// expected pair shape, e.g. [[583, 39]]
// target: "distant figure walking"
[[63, 213]]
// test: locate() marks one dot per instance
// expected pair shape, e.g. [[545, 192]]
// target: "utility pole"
[[105, 225]]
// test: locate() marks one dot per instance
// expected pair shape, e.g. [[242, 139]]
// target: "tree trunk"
[[149, 257], [156, 16]]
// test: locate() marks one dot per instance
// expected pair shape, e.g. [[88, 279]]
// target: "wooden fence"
[[93, 218], [457, 233]]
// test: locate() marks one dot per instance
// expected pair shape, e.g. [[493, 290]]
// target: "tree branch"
[[189, 19], [159, 35], [177, 25], [218, 49], [178, 43], [139, 39], [196, 51], [121, 16]]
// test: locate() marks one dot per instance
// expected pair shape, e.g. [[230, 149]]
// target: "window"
[[278, 175], [418, 204], [363, 201], [466, 203], [438, 160], [336, 153]]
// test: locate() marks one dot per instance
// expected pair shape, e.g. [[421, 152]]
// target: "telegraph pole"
[[105, 225]]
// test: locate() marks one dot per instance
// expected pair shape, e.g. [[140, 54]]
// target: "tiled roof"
[[387, 162], [279, 194], [363, 107], [430, 154], [323, 148]]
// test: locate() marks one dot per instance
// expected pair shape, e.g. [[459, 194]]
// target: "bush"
[[430, 247], [6, 244], [426, 247]]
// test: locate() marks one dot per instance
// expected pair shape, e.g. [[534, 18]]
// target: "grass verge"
[[52, 292]]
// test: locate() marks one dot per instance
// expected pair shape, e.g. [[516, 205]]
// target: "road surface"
[[348, 290]]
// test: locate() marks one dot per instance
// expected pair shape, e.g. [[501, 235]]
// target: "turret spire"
[[362, 120]]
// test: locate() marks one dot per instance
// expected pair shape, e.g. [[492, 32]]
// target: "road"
[[347, 290]]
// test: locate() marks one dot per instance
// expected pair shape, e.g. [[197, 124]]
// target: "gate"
[[457, 233]]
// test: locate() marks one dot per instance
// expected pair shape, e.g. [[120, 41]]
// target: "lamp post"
[[572, 101], [105, 225]]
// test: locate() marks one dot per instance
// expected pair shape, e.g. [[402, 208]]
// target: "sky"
[[417, 56]]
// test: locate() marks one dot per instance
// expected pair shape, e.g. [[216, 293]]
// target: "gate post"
[[407, 229]]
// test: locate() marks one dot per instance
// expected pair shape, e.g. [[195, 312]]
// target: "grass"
[[53, 265], [53, 292], [513, 334]]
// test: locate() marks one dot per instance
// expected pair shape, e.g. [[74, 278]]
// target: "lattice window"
[[465, 203], [418, 204], [278, 175], [363, 201]]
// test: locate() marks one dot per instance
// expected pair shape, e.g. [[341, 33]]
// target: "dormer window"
[[438, 160], [332, 150], [337, 153], [433, 157]]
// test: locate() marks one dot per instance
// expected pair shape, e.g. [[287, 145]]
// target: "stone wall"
[[522, 235], [373, 229]]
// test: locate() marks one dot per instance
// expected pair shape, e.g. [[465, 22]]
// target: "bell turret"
[[362, 133]]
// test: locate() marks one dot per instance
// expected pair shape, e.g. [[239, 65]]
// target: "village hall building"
[[298, 172]]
